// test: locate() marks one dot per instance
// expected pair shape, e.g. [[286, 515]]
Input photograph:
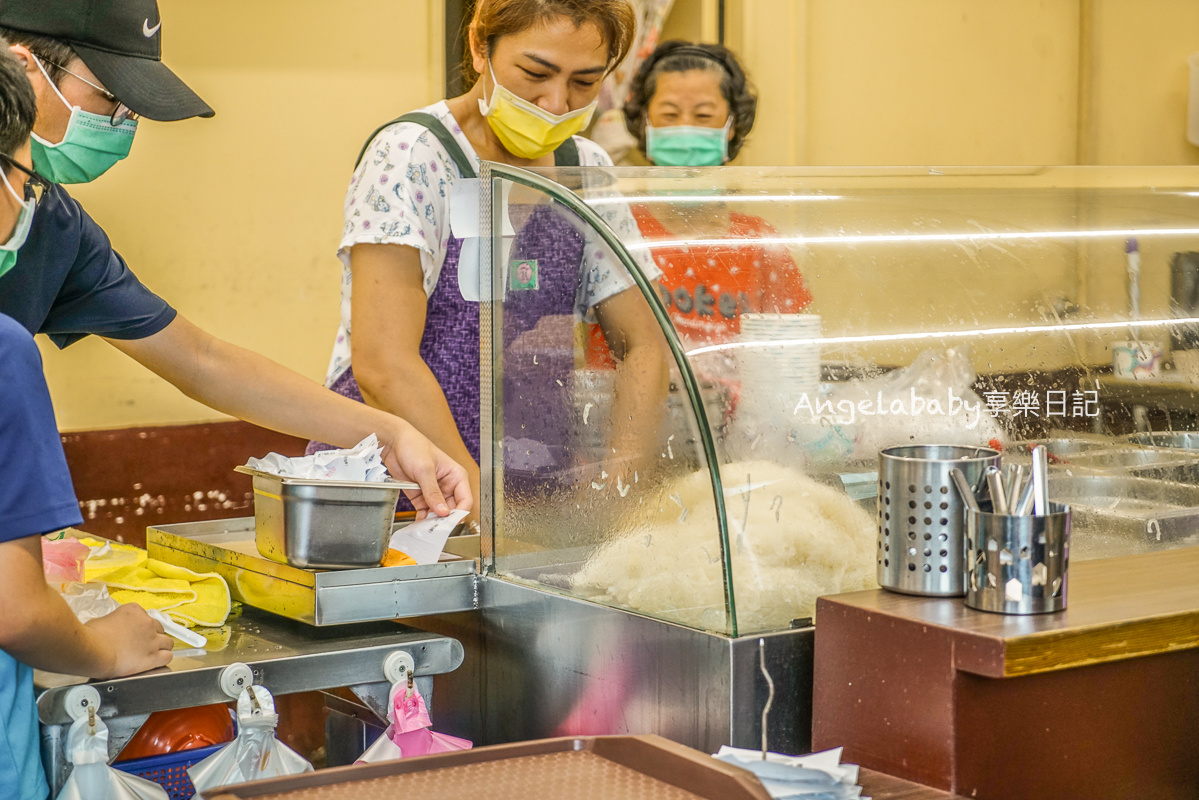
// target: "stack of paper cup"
[[779, 360]]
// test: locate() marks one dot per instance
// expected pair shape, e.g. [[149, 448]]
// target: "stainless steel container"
[[315, 524], [1018, 564], [921, 528]]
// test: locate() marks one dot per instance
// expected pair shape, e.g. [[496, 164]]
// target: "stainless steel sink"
[[1177, 440], [1117, 456], [1065, 449], [1119, 515], [1143, 462]]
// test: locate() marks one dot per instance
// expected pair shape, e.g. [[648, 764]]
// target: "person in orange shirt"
[[693, 105]]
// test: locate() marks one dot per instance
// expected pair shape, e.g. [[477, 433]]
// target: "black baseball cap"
[[121, 42]]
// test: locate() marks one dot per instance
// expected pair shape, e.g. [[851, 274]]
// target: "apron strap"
[[567, 154], [434, 126]]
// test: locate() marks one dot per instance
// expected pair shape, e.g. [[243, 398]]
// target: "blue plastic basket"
[[169, 770]]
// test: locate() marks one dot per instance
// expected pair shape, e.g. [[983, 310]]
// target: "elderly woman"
[[693, 105]]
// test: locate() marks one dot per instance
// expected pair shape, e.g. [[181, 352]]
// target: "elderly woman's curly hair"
[[679, 56]]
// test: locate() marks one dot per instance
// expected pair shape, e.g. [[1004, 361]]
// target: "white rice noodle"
[[792, 540]]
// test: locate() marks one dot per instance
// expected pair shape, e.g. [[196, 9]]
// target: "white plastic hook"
[[235, 678], [398, 666], [82, 700]]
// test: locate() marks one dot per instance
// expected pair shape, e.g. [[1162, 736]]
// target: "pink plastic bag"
[[409, 734], [62, 560]]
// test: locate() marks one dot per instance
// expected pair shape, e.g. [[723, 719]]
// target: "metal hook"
[[91, 719], [770, 694]]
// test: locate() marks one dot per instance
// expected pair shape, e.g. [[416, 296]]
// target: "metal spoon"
[[963, 486]]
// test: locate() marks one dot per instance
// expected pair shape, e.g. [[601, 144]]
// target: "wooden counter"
[[1100, 700]]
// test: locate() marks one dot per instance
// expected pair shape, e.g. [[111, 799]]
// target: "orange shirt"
[[706, 289], [710, 287]]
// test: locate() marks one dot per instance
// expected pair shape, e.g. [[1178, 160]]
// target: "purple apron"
[[536, 384], [538, 364]]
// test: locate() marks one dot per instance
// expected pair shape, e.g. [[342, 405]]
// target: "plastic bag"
[[92, 778], [928, 401], [362, 462], [254, 753], [409, 733], [62, 559], [88, 600]]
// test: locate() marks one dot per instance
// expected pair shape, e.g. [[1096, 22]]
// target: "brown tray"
[[582, 768]]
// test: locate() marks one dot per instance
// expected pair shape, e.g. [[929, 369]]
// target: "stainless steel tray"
[[319, 597]]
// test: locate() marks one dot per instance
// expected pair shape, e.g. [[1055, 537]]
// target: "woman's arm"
[[642, 373], [388, 312], [251, 387]]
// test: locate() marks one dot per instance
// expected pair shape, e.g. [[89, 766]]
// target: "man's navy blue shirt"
[[68, 282], [36, 495]]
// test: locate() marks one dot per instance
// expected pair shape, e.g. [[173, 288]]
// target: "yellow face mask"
[[527, 130]]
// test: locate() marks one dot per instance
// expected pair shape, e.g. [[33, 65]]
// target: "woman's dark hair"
[[679, 56], [18, 106], [53, 53], [495, 19]]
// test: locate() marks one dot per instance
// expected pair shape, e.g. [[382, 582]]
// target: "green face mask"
[[8, 250], [89, 148], [687, 145]]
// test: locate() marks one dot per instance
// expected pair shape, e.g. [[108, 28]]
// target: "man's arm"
[[251, 387], [389, 306], [39, 628]]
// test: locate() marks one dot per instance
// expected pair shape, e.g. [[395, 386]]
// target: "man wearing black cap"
[[95, 67], [37, 627]]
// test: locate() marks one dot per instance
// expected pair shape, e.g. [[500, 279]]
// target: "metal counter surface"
[[284, 656]]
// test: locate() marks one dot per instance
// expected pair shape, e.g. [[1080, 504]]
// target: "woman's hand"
[[444, 484]]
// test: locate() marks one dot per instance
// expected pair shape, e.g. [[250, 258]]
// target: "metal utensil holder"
[[1018, 564], [921, 524]]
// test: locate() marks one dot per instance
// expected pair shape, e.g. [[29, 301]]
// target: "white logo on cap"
[[147, 31]]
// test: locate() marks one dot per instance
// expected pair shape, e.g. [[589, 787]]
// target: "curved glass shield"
[[600, 469]]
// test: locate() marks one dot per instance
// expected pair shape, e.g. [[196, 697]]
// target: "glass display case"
[[689, 373]]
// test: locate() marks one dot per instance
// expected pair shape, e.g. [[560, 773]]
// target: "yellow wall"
[[1138, 92], [235, 220], [878, 82]]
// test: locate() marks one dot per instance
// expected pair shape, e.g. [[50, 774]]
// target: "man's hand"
[[409, 455], [132, 641]]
